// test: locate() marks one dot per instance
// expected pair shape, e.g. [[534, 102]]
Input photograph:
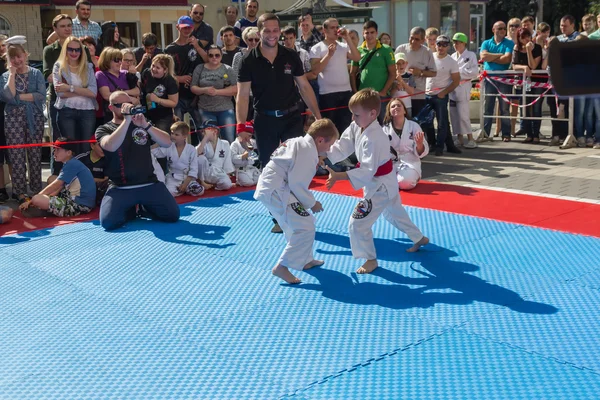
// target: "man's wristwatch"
[[71, 88], [148, 126]]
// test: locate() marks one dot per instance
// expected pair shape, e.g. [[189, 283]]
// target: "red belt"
[[383, 169]]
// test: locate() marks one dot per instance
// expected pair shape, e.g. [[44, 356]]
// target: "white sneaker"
[[555, 141], [470, 145], [457, 142], [597, 145], [589, 142], [581, 142]]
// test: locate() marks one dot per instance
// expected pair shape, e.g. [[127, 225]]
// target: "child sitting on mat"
[[374, 173], [283, 189], [245, 158], [214, 157], [181, 161], [72, 193]]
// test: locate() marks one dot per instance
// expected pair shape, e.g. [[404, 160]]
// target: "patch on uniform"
[[140, 136], [222, 154], [362, 209], [299, 209], [287, 69]]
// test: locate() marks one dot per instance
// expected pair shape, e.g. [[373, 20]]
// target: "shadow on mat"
[[437, 272]]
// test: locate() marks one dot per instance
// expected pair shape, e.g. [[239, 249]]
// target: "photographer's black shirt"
[[131, 164]]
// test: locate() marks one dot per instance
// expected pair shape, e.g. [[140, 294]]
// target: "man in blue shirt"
[[496, 53]]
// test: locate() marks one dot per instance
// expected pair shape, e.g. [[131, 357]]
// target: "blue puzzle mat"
[[191, 311]]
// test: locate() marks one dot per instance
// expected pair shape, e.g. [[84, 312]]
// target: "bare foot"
[[314, 263], [367, 267], [424, 240], [282, 272]]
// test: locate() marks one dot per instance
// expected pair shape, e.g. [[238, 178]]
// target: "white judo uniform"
[[459, 98], [214, 166], [246, 173], [408, 162], [381, 195], [283, 189], [179, 168]]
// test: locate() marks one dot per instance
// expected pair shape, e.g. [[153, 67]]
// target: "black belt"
[[278, 113]]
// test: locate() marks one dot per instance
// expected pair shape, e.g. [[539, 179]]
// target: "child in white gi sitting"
[[244, 157], [375, 174], [283, 189], [214, 157], [181, 162]]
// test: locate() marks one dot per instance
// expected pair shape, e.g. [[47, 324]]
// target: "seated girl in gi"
[[374, 173], [214, 157], [283, 189], [407, 144], [181, 162], [244, 157]]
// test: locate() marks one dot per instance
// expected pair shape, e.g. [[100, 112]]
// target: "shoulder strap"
[[367, 59]]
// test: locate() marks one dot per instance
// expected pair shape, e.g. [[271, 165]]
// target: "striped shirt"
[[92, 30]]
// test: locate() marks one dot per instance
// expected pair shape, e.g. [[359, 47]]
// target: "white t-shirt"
[[445, 68], [334, 78]]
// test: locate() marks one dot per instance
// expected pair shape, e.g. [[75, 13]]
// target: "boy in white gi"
[[283, 189], [214, 157], [244, 157], [374, 173], [459, 98], [181, 162]]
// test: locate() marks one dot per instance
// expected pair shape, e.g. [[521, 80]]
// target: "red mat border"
[[537, 211]]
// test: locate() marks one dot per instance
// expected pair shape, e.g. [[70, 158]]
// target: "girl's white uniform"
[[283, 189], [179, 168], [246, 173], [372, 148], [408, 163], [214, 166], [459, 98]]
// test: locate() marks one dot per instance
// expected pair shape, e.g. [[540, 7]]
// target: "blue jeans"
[[596, 108], [118, 205], [226, 117], [584, 117], [532, 127], [77, 125], [187, 106], [440, 106], [490, 105]]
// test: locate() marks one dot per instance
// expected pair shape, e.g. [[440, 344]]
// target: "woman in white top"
[[460, 97], [76, 89], [407, 142]]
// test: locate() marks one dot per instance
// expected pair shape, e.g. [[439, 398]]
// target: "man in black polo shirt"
[[126, 142], [202, 31], [273, 71]]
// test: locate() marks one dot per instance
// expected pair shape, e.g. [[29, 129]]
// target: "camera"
[[136, 110]]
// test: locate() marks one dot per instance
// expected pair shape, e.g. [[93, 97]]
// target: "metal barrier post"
[[570, 141]]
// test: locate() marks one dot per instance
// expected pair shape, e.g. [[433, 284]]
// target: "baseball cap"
[[460, 37], [209, 123], [399, 56], [63, 143], [442, 39], [185, 21]]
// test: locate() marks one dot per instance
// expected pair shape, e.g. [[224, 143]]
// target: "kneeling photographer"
[[134, 188]]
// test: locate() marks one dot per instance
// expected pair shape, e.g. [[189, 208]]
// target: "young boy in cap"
[[404, 85], [283, 189], [374, 173], [460, 97], [71, 194], [244, 156], [214, 157]]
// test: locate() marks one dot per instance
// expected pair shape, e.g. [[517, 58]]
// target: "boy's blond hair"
[[367, 98], [324, 128], [180, 126]]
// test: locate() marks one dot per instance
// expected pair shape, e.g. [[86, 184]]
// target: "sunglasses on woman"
[[117, 60], [213, 55], [74, 49]]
